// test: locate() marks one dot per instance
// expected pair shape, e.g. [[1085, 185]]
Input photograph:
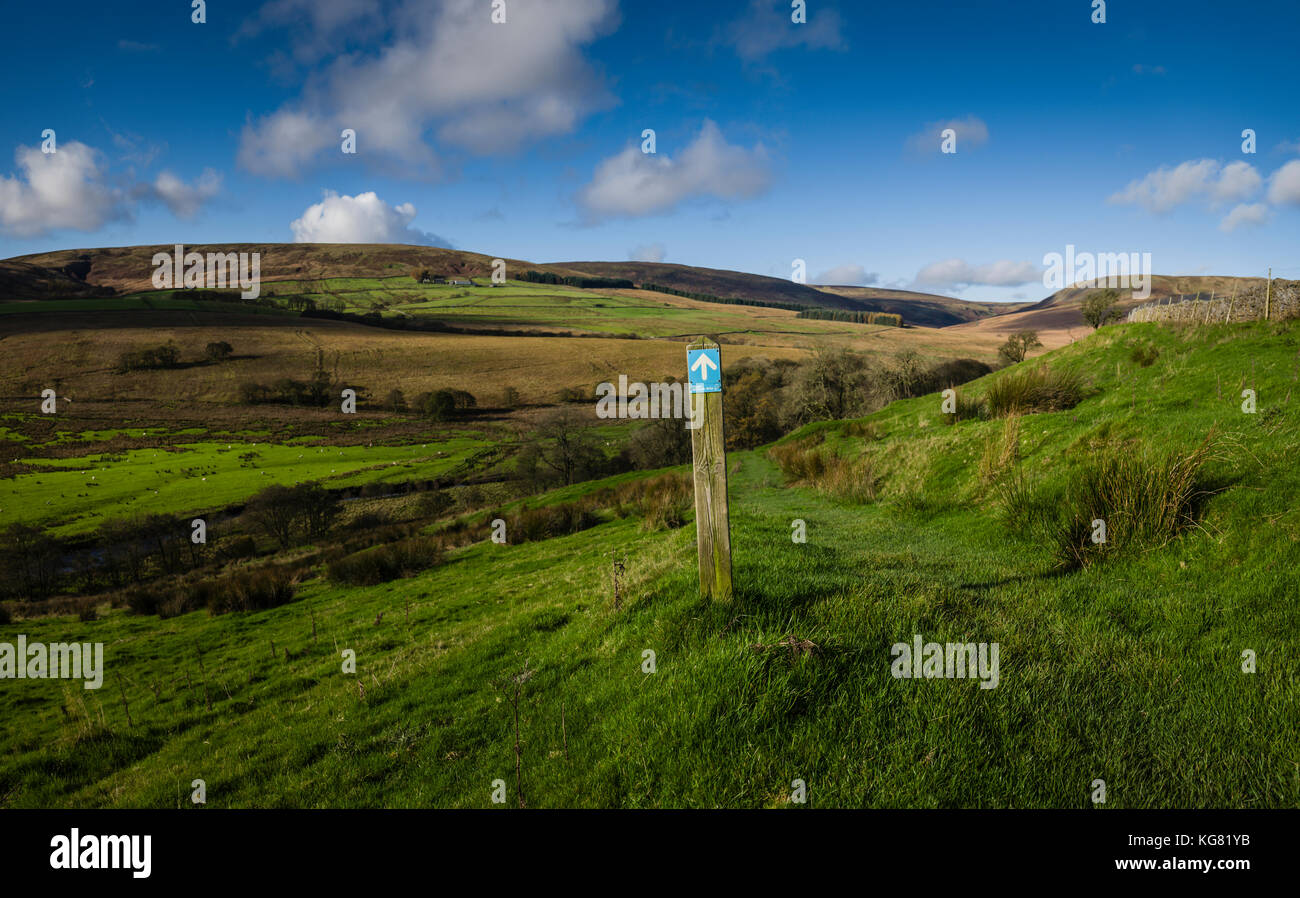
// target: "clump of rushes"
[[1039, 389], [1123, 499]]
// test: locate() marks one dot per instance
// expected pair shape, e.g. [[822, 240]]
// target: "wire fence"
[[1250, 303]]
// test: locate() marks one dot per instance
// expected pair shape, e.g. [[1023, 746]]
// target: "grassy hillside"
[[537, 339], [1127, 669]]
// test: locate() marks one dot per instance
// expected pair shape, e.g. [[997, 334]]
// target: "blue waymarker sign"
[[705, 370]]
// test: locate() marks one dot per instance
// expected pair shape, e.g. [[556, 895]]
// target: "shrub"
[[166, 356], [1099, 308], [440, 405], [247, 590], [1018, 345], [30, 559], [387, 562], [287, 514], [143, 599], [218, 351], [1040, 389], [369, 520], [5, 616], [237, 548], [434, 504]]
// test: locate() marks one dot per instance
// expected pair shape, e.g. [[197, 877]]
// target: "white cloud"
[[633, 183], [1284, 184], [958, 273], [1238, 181], [1243, 214], [363, 218], [64, 189], [847, 276], [72, 188], [766, 27], [1166, 188], [647, 252], [481, 86], [1289, 146], [282, 143], [971, 132], [183, 199]]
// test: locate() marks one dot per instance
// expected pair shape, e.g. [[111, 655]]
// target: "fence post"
[[712, 524], [1268, 294]]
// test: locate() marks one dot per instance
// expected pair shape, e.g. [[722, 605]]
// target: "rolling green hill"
[[1127, 667], [105, 271]]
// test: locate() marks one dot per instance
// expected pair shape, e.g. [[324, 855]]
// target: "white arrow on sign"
[[704, 363]]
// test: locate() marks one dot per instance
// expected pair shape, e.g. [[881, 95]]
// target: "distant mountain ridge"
[[925, 309], [109, 270]]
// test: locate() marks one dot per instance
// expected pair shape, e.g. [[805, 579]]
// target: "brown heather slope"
[[1058, 319], [714, 281], [24, 280], [129, 269], [923, 309]]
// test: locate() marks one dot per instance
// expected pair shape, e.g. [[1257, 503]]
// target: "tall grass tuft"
[[966, 408], [661, 502], [850, 480], [1143, 498], [1037, 389], [1001, 452]]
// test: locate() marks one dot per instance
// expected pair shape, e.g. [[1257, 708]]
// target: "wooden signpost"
[[712, 527]]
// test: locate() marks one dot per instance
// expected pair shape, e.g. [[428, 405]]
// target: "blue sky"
[[775, 141]]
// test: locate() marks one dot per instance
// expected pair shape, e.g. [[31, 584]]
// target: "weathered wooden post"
[[712, 526], [1268, 295]]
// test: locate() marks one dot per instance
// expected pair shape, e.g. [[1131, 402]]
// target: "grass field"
[[77, 494], [1129, 669], [640, 334]]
